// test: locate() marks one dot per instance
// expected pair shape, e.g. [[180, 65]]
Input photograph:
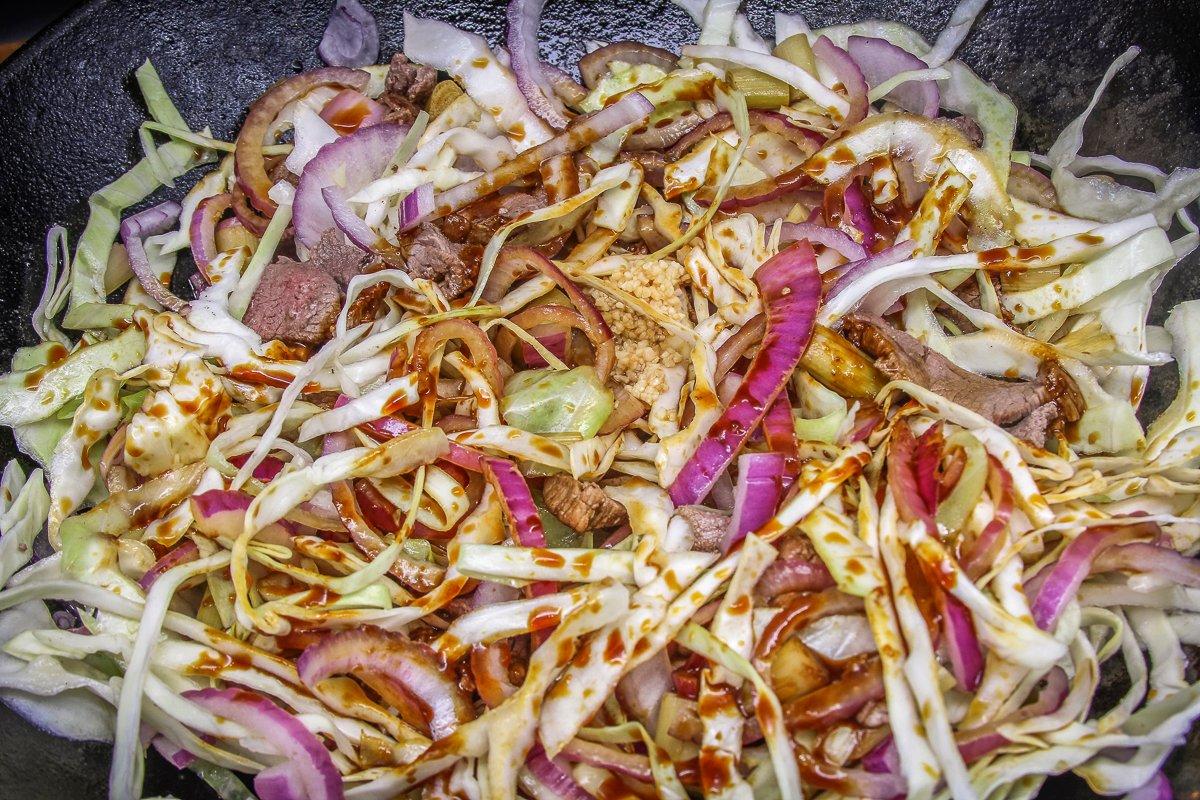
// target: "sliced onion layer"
[[403, 672], [134, 230], [249, 162], [307, 759], [791, 291]]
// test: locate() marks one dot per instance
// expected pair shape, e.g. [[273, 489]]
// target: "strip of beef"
[[476, 223], [294, 303], [450, 265], [901, 357], [581, 505], [406, 89], [1037, 427], [341, 260], [708, 526]]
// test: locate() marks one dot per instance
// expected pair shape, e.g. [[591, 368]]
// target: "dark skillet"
[[68, 119]]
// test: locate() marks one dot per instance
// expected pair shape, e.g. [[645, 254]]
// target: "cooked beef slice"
[[335, 256], [295, 303], [434, 257], [901, 357], [581, 505], [406, 89]]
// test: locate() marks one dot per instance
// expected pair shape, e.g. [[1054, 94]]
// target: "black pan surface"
[[69, 113]]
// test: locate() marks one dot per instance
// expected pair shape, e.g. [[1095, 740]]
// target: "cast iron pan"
[[68, 116]]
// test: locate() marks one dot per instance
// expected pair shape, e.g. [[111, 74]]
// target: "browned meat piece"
[[477, 222], [652, 163], [335, 256], [581, 505], [1036, 427], [406, 89], [708, 526], [434, 257], [295, 303], [277, 170], [970, 129], [901, 357]]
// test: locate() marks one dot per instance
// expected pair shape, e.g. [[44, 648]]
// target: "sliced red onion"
[[962, 644], [134, 230], [1058, 582], [518, 503], [553, 778], [883, 758], [348, 164], [351, 36], [185, 552], [828, 237], [390, 427], [222, 513], [305, 754], [198, 283], [629, 110], [594, 66], [858, 213], [850, 76], [1157, 788], [523, 19], [279, 782], [792, 573], [848, 782], [349, 110], [880, 60], [515, 260], [1152, 559], [978, 556], [566, 87], [791, 290], [756, 496], [266, 470], [416, 205], [779, 429], [519, 510], [488, 593], [609, 758], [401, 671], [203, 229], [249, 161], [360, 234], [555, 342], [857, 270], [175, 756]]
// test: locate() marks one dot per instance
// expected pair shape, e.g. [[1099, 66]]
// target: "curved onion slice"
[[756, 495], [351, 36], [203, 229], [1162, 562], [630, 109], [828, 237], [556, 780], [791, 290], [308, 760], [594, 65], [249, 163], [924, 144], [880, 60], [185, 552], [1062, 578], [513, 260], [403, 672], [850, 76], [134, 230], [523, 19], [348, 164]]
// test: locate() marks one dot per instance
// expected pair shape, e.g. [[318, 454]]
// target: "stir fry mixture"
[[748, 422]]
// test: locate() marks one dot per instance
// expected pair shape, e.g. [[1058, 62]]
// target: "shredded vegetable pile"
[[752, 421]]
